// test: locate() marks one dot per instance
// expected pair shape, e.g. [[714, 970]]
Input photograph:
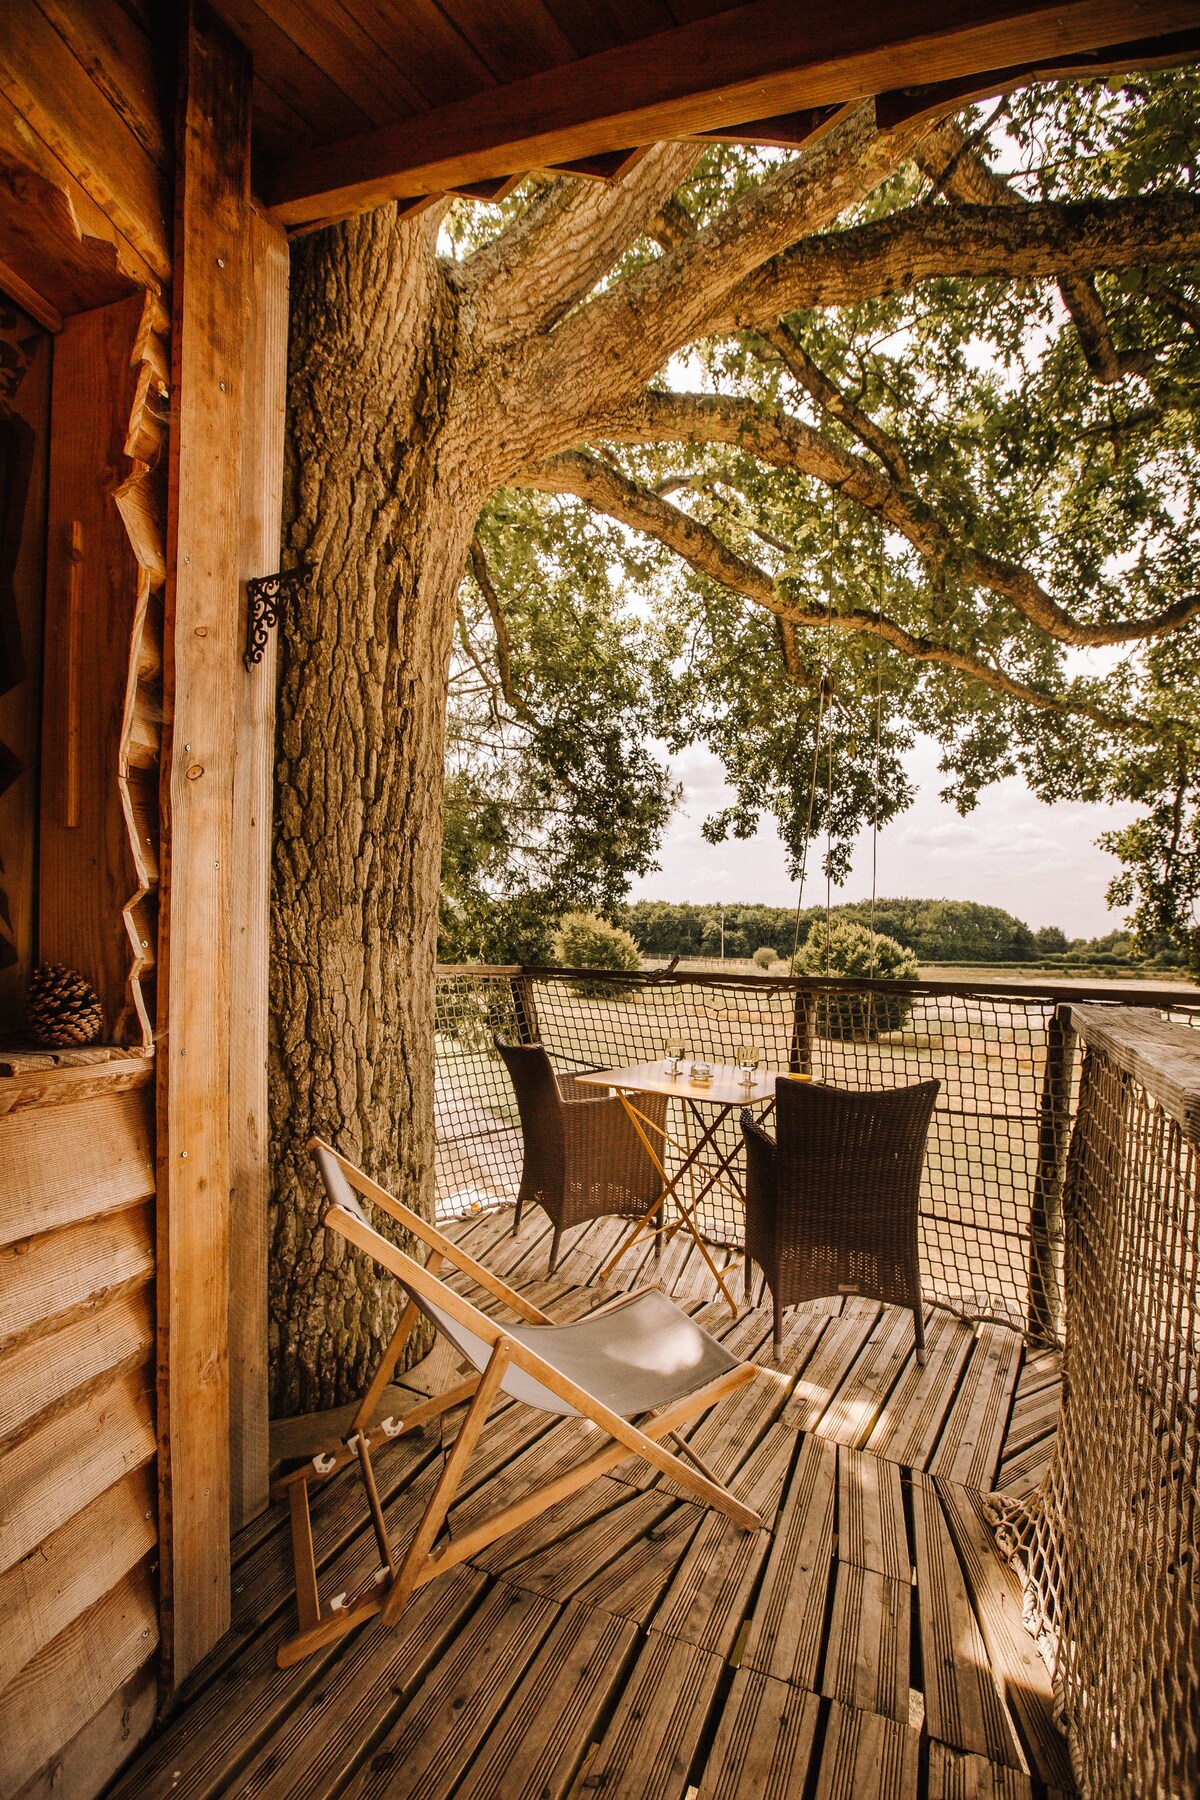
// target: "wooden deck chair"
[[640, 1358]]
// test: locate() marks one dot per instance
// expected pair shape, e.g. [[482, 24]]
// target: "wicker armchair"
[[831, 1201], [583, 1158]]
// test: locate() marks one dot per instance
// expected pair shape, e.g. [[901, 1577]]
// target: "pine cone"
[[61, 1008]]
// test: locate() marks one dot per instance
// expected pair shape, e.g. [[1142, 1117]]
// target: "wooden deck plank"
[[786, 1630], [962, 1705], [632, 1584], [1037, 1417], [764, 1742], [955, 1776], [974, 1432], [871, 1528], [542, 1736], [867, 1757], [231, 1719], [529, 1541], [1022, 1475], [866, 1660], [648, 1750], [489, 1708], [336, 1724], [839, 1345], [910, 1423], [629, 1535], [707, 1598], [854, 1408], [429, 1746], [1018, 1669]]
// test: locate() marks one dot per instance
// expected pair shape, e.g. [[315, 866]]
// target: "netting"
[[1109, 1544], [990, 1230]]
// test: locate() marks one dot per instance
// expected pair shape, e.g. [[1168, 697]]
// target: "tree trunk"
[[380, 505]]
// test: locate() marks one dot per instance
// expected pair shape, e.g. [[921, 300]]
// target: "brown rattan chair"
[[831, 1200], [583, 1158]]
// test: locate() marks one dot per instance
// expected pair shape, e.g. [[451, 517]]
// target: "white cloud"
[[1039, 862]]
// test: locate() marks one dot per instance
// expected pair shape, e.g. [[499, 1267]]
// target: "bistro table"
[[724, 1092]]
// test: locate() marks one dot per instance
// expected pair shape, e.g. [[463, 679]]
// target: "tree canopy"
[[895, 435]]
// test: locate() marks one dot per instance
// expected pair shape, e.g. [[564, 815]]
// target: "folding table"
[[725, 1092]]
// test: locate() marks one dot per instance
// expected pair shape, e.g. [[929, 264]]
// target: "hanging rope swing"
[[824, 707]]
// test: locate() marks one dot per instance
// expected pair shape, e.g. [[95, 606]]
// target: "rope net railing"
[[991, 1238], [1108, 1546]]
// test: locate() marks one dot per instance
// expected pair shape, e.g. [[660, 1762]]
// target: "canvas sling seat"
[[637, 1368]]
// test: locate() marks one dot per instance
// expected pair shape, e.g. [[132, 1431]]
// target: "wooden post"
[[202, 682], [804, 1017], [264, 403], [1045, 1212], [525, 1007]]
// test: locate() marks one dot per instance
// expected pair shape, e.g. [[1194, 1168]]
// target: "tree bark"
[[384, 513]]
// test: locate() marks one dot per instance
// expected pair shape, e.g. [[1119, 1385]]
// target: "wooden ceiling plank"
[[762, 60], [301, 83], [332, 38], [595, 25], [438, 59], [43, 79], [125, 63], [515, 38], [900, 104]]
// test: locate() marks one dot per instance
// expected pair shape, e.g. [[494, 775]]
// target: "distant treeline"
[[937, 931]]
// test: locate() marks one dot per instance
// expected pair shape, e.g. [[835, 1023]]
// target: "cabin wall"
[[24, 437], [133, 1174], [78, 1500]]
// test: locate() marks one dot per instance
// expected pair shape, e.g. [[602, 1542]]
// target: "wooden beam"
[[202, 672], [787, 132], [934, 98], [249, 945], [754, 62]]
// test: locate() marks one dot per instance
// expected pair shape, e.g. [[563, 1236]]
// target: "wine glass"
[[748, 1056], [674, 1051]]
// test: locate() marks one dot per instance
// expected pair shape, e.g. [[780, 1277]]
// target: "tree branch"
[[487, 587], [624, 336], [563, 243], [775, 437], [931, 241], [609, 491], [830, 398], [956, 167]]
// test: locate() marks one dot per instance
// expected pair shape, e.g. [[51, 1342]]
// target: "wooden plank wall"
[[78, 1502], [201, 669], [92, 600]]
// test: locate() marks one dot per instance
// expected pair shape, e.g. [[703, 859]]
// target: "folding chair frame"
[[395, 1581]]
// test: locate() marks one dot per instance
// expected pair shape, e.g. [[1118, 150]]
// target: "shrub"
[[763, 957], [584, 941], [841, 948]]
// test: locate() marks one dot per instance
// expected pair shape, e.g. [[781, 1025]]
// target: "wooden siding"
[[78, 1504]]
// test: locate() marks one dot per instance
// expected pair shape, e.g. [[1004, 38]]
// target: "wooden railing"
[[1003, 1051], [1110, 1544]]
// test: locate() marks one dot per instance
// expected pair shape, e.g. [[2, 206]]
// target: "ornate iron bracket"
[[267, 597]]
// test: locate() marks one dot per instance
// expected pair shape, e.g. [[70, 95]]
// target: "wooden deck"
[[867, 1643]]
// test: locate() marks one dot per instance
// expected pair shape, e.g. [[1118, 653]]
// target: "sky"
[[1039, 862]]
